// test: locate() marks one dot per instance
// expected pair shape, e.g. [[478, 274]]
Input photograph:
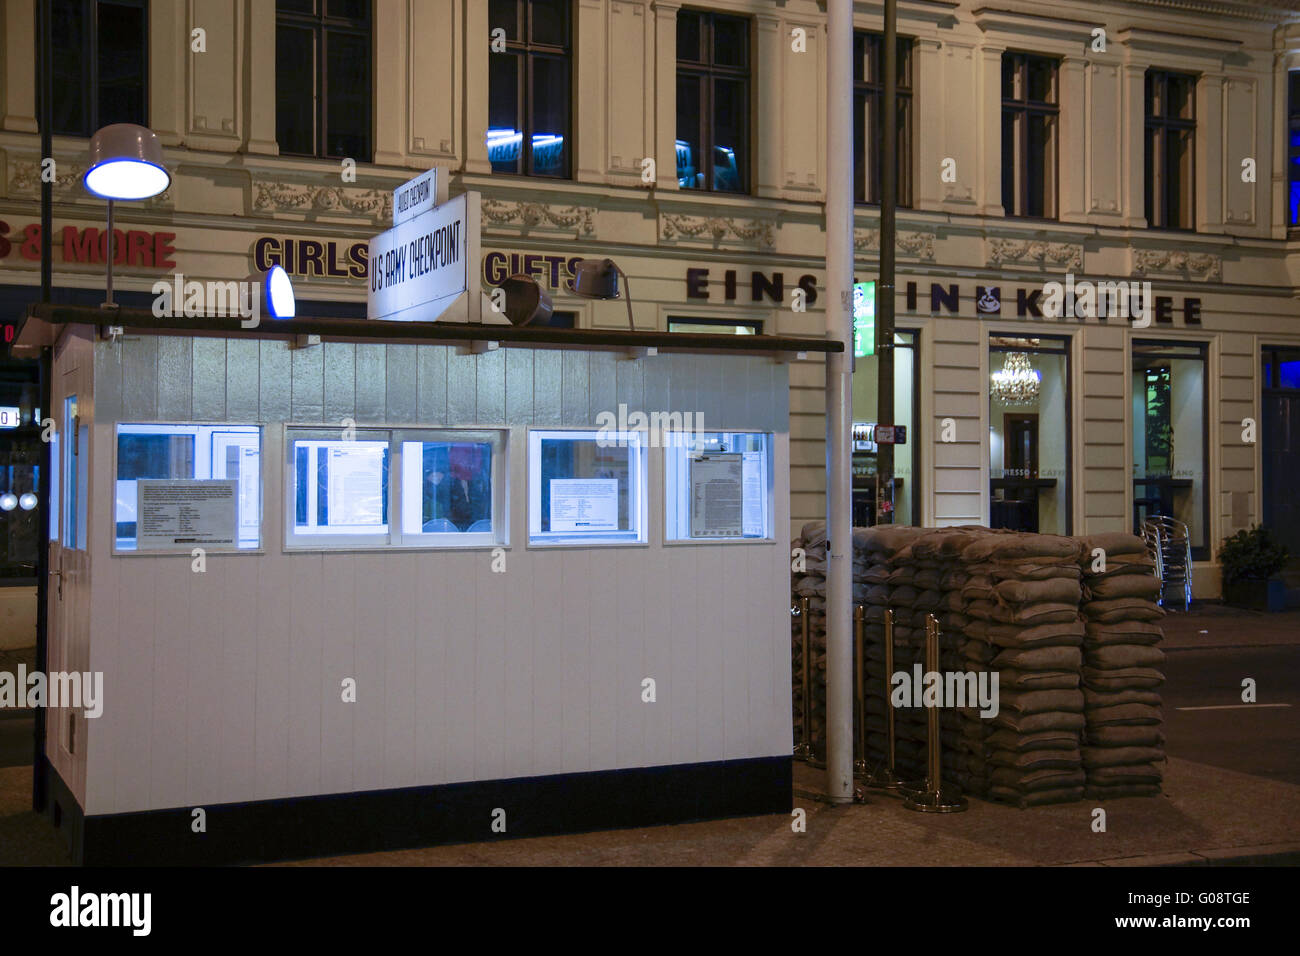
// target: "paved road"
[[1259, 740]]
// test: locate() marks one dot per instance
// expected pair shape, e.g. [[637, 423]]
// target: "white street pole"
[[839, 403]]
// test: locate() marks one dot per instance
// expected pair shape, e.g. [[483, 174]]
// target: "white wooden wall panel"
[[226, 686]]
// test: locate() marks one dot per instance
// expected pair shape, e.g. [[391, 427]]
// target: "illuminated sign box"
[[864, 319]]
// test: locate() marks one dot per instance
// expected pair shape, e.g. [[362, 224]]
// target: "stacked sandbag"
[[1021, 594], [1122, 667], [810, 583], [889, 577]]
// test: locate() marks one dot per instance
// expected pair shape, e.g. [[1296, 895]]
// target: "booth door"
[[68, 629]]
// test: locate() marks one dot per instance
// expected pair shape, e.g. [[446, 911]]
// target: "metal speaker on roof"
[[526, 301]]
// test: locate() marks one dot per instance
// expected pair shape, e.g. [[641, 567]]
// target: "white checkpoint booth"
[[357, 585]]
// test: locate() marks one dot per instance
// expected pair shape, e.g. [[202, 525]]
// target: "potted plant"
[[1249, 558]]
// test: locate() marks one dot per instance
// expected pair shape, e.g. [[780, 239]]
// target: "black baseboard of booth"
[[378, 820]]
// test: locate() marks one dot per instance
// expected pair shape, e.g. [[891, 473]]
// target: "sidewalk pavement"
[[1205, 816], [1217, 626]]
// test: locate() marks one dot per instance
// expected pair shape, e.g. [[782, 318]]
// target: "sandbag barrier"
[[1068, 625]]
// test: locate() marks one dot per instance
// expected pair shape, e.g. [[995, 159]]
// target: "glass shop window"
[[179, 487], [1029, 433], [718, 486], [586, 487], [448, 488], [1170, 450]]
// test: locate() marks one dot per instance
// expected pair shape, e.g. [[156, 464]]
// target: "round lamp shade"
[[595, 279], [27, 502], [280, 300], [526, 301], [275, 292], [126, 162], [8, 501]]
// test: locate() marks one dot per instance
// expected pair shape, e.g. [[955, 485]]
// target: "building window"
[[530, 88], [716, 326], [1029, 433], [1293, 147], [712, 101], [323, 78], [396, 488], [21, 474], [869, 113], [587, 487], [100, 64], [214, 471], [871, 503], [1030, 121], [1170, 450], [1170, 150], [717, 485]]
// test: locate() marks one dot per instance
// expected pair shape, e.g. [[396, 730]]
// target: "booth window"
[[869, 117], [718, 486], [586, 487], [100, 64], [323, 88], [712, 101], [1170, 150], [1170, 449], [194, 485], [447, 486], [1030, 121], [530, 88], [1029, 433]]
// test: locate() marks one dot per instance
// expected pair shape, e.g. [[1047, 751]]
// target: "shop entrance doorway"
[[1280, 444]]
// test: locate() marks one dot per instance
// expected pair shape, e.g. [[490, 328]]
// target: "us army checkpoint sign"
[[418, 268]]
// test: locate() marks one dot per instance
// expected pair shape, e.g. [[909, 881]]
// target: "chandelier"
[[1017, 383]]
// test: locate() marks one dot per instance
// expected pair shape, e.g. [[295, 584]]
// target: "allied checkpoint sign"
[[420, 266]]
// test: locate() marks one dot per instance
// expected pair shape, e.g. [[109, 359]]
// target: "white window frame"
[[677, 500], [638, 492], [201, 454], [394, 538]]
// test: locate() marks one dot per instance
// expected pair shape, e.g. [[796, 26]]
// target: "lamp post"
[[598, 279], [126, 163]]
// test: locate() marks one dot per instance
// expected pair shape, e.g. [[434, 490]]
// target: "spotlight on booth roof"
[[126, 163], [269, 292], [598, 279], [524, 300]]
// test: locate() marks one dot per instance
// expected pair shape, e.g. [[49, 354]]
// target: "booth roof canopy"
[[40, 327]]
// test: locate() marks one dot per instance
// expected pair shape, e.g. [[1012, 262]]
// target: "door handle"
[[58, 573]]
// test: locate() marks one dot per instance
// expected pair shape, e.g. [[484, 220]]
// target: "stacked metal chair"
[[1170, 545]]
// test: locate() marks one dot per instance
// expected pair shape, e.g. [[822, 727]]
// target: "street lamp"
[[126, 163], [598, 279]]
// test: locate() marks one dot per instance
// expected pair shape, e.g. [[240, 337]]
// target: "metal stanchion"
[[885, 778], [933, 798], [860, 692], [803, 750]]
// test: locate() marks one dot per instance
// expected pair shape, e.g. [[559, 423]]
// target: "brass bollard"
[[885, 778], [803, 750], [933, 798]]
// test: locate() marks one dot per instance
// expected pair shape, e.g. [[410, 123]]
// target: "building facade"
[[1148, 151]]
